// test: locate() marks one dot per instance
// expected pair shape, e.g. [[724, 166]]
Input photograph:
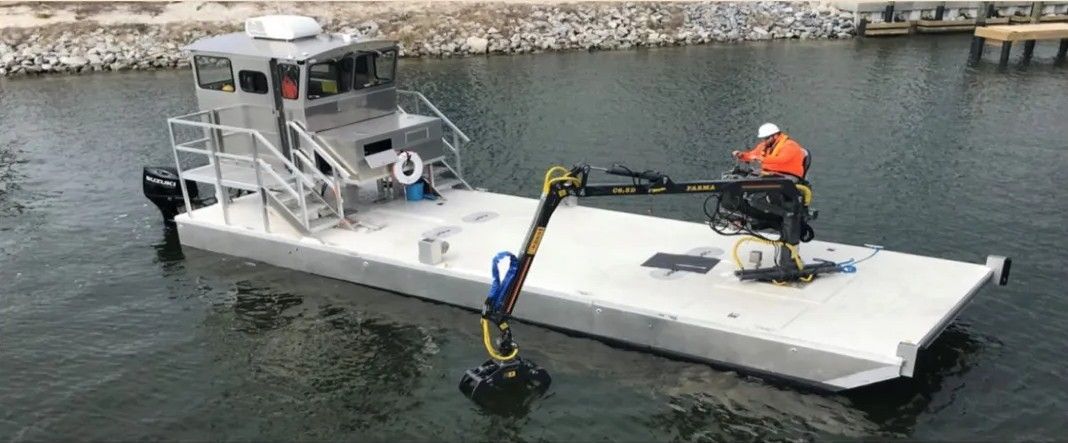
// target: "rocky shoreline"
[[459, 29]]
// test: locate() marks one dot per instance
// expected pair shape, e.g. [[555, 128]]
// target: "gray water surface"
[[110, 331]]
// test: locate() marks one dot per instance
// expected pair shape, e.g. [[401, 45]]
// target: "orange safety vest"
[[785, 157]]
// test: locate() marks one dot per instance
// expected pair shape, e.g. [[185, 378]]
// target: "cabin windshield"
[[330, 78], [351, 72], [386, 66]]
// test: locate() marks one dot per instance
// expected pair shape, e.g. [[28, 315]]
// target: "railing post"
[[259, 182], [337, 190], [459, 158], [301, 194], [178, 169], [220, 192]]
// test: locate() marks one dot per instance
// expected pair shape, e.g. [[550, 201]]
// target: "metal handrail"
[[326, 155], [457, 175], [436, 112], [309, 175], [259, 138], [323, 178], [452, 148], [262, 165], [458, 136]]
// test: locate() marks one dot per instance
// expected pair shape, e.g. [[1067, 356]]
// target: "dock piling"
[[978, 43], [940, 12], [1006, 48], [1062, 50], [976, 54], [1029, 49], [1029, 34]]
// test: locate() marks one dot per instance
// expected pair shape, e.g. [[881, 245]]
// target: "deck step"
[[323, 223], [315, 206], [448, 184]]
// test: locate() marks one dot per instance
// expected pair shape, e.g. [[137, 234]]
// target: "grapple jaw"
[[505, 386]]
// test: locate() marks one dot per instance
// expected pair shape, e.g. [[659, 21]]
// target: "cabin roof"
[[239, 43]]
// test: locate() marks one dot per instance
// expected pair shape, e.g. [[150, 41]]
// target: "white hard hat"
[[767, 130]]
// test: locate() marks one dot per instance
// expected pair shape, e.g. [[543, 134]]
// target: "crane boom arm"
[[505, 376]]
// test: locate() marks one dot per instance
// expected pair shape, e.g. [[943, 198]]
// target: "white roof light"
[[282, 27]]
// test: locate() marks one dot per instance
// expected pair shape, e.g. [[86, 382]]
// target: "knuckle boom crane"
[[745, 205]]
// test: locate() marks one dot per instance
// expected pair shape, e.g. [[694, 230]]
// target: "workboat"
[[304, 154]]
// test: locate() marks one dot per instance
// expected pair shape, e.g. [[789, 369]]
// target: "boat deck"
[[840, 331]]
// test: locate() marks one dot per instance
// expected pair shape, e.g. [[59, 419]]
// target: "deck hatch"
[[680, 262]]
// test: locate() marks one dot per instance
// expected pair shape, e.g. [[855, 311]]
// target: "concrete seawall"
[[84, 37]]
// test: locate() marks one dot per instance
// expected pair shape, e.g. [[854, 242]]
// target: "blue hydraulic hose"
[[499, 285], [850, 266]]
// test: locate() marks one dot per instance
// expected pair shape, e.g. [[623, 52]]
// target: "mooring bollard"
[[940, 12], [1062, 50]]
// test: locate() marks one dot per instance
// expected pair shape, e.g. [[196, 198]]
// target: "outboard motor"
[[160, 186]]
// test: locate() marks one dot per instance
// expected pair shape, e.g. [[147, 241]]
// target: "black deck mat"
[[680, 262]]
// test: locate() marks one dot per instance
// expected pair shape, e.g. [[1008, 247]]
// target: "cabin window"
[[252, 81], [330, 78], [374, 68], [362, 71], [386, 66], [214, 73], [290, 76]]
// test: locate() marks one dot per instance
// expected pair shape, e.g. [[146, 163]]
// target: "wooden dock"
[[879, 18], [1006, 35]]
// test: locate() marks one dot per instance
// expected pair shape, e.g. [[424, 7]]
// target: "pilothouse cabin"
[[285, 76]]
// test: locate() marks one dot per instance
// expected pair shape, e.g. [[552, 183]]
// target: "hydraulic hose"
[[487, 341], [793, 254]]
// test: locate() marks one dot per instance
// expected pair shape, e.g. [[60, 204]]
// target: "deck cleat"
[[510, 384]]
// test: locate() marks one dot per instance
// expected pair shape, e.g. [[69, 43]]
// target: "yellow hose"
[[549, 175], [806, 192], [794, 254], [552, 177], [488, 342]]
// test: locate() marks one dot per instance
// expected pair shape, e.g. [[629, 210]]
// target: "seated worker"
[[778, 154], [776, 151]]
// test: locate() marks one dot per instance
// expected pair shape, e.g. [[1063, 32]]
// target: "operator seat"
[[805, 164]]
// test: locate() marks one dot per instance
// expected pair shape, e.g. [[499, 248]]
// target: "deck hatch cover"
[[681, 262]]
